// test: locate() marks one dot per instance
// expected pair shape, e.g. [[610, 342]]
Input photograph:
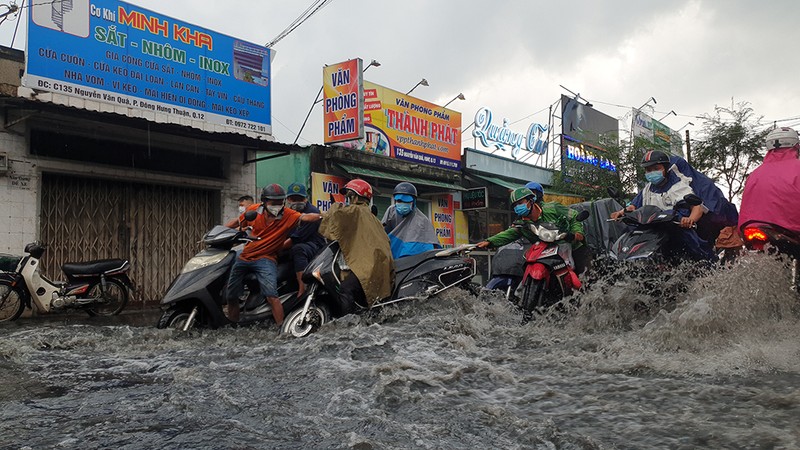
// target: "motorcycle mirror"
[[692, 200], [250, 215], [613, 192], [583, 215]]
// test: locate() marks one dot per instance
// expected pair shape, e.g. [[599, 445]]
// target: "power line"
[[316, 5], [16, 27]]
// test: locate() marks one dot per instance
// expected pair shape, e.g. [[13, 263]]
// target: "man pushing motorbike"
[[271, 227], [365, 246], [530, 210]]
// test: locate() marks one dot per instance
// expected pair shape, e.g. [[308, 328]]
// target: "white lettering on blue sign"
[[502, 136]]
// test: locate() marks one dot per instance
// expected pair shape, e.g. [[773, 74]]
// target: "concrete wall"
[[19, 190]]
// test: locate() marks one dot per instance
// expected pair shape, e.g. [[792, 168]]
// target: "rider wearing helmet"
[[409, 229], [665, 187], [772, 191], [537, 190], [272, 226], [365, 247], [305, 241], [523, 200]]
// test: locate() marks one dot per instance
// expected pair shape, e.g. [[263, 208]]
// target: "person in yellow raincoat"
[[364, 244]]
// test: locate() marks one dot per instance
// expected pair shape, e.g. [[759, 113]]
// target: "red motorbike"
[[758, 234], [549, 269]]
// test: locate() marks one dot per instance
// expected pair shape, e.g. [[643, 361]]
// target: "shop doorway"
[[156, 227]]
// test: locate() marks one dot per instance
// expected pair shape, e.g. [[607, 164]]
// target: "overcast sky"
[[511, 56]]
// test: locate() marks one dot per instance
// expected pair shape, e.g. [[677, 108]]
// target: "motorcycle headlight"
[[200, 261], [548, 235]]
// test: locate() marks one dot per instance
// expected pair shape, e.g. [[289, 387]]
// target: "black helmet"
[[405, 188], [654, 157], [273, 192]]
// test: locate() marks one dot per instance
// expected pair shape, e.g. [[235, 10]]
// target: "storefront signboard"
[[462, 228], [112, 52], [343, 101], [477, 198], [442, 216], [491, 134], [325, 190]]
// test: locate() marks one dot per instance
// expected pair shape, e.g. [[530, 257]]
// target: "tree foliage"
[[729, 146]]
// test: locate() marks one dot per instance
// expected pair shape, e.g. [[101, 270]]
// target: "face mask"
[[242, 210], [654, 177], [274, 209], [297, 206], [402, 208], [522, 210]]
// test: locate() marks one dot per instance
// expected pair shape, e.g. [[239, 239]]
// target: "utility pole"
[[688, 149]]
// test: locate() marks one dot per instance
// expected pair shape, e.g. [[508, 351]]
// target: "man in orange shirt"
[[272, 226]]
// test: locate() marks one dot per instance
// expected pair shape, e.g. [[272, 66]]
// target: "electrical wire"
[[315, 7], [16, 27]]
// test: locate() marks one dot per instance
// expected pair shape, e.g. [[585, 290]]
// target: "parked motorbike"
[[98, 287], [760, 235], [417, 277], [195, 297], [508, 266], [549, 269]]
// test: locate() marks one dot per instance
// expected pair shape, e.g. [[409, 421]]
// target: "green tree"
[[729, 146]]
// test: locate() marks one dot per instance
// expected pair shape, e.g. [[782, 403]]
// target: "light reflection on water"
[[717, 369]]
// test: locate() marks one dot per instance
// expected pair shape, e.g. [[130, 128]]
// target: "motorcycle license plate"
[[549, 252]]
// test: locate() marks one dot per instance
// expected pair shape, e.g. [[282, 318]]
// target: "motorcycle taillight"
[[755, 238]]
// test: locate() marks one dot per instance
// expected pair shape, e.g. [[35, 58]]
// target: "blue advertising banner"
[[118, 53]]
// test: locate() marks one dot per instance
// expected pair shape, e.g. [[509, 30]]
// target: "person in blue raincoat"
[[410, 230], [669, 179]]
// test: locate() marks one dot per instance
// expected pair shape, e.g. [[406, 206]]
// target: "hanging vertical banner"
[[462, 228], [442, 218], [325, 190], [343, 101]]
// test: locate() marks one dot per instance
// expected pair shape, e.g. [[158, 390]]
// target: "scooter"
[[508, 266], [758, 236], [549, 269], [196, 296], [417, 277], [98, 287]]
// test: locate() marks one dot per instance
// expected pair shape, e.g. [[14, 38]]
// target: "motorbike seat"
[[409, 262], [96, 267]]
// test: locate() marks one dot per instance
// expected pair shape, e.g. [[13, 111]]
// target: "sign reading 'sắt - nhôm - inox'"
[[117, 53]]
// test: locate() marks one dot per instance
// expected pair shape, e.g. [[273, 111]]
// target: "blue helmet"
[[537, 190], [296, 189]]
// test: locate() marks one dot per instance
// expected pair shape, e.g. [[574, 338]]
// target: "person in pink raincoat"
[[772, 191]]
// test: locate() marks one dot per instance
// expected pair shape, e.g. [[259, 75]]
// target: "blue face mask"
[[654, 177], [403, 208], [522, 210]]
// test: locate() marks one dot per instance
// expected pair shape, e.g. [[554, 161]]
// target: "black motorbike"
[[196, 296], [759, 236], [651, 231], [416, 277]]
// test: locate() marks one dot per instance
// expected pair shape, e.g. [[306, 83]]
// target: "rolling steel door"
[[156, 227]]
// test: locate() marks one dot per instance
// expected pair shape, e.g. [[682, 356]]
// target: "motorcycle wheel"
[[532, 298], [110, 303], [11, 304], [175, 318], [318, 315]]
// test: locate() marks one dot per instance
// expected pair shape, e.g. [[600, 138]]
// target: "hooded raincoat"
[[365, 246], [409, 235], [772, 191]]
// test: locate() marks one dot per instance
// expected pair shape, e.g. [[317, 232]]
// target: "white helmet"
[[782, 137]]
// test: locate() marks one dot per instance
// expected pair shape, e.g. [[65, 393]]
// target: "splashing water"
[[713, 364]]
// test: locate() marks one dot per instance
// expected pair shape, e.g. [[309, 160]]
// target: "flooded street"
[[719, 370]]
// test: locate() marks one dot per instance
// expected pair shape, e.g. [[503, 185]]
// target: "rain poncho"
[[772, 191], [601, 234], [365, 246], [409, 235], [683, 179]]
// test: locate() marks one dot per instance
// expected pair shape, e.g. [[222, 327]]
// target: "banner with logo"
[[116, 53], [343, 101], [662, 136], [410, 129], [442, 217], [325, 190]]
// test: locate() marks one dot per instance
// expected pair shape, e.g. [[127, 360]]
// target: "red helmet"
[[360, 187]]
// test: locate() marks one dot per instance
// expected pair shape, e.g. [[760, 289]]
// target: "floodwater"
[[719, 369]]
